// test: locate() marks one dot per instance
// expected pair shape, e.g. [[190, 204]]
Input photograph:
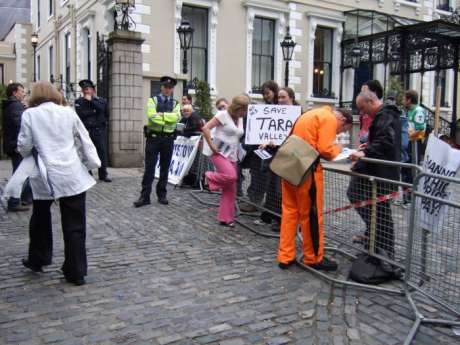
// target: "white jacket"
[[64, 146]]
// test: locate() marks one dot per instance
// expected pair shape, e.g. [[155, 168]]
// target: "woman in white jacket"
[[64, 153]]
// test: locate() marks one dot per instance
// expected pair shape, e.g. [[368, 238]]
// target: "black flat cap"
[[168, 81], [86, 83]]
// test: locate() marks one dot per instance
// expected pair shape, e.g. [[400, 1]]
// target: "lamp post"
[[34, 43], [185, 32], [287, 45], [395, 62]]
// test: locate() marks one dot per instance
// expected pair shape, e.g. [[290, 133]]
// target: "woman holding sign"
[[225, 145], [286, 96]]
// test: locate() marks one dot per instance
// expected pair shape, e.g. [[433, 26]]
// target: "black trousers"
[[98, 136], [73, 220], [26, 194], [360, 190], [162, 146], [272, 199], [259, 179]]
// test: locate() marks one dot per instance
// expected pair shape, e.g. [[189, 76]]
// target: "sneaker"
[[285, 266], [327, 265]]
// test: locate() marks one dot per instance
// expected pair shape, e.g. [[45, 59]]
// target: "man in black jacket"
[[13, 108], [384, 143], [93, 112]]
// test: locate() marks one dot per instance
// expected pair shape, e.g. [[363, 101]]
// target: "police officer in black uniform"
[[93, 112], [163, 114]]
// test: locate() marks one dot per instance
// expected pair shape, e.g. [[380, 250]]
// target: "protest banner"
[[440, 159], [267, 123], [184, 153]]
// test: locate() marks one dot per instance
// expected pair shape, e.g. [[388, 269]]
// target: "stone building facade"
[[236, 45]]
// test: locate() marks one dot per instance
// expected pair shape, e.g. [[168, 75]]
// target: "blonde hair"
[[239, 102], [42, 92]]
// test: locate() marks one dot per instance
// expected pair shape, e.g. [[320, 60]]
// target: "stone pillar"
[[125, 99]]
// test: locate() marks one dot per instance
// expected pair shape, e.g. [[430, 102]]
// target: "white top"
[[64, 146], [227, 135]]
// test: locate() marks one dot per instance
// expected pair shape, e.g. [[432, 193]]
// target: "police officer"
[[163, 113], [93, 112]]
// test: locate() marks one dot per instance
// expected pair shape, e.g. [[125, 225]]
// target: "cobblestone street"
[[171, 275]]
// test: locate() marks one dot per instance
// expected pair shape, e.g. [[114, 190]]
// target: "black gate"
[[103, 81]]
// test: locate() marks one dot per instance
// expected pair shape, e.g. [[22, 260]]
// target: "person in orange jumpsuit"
[[319, 128]]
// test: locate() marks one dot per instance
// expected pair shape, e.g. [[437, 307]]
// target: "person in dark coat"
[[192, 121], [93, 112], [13, 107], [384, 143]]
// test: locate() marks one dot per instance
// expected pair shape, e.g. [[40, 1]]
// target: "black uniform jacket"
[[12, 112], [94, 113]]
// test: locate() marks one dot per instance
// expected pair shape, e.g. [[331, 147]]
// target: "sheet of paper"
[[263, 154], [345, 154]]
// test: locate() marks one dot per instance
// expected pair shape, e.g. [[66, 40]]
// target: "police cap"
[[168, 81], [86, 83]]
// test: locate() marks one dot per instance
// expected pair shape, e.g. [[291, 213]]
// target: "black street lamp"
[[287, 45], [356, 55], [34, 43], [185, 32], [395, 60]]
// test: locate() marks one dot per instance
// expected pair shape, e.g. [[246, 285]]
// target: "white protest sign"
[[270, 123], [184, 153], [440, 159]]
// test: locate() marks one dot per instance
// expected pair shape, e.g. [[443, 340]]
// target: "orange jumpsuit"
[[318, 127]]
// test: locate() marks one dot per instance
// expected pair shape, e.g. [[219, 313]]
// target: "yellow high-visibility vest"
[[165, 123]]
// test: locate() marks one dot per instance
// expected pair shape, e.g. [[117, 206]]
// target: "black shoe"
[[284, 266], [18, 208], [76, 281], [325, 265], [31, 266], [163, 201], [141, 202], [105, 179]]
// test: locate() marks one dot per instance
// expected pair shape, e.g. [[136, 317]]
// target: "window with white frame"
[[51, 62], [322, 62], [440, 79], [67, 57], [2, 74], [38, 13], [263, 52], [198, 53], [445, 5]]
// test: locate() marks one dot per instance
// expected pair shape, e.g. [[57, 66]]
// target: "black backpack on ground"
[[366, 269]]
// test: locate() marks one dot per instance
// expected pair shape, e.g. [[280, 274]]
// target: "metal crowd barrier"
[[366, 214]]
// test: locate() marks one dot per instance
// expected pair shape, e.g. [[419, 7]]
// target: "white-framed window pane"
[[197, 62], [322, 65], [262, 52]]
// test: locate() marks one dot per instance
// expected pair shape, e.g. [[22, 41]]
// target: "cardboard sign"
[[184, 153], [268, 123], [440, 159]]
